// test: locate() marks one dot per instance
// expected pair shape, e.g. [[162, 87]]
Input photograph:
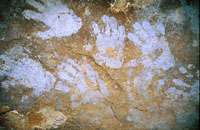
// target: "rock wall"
[[79, 65]]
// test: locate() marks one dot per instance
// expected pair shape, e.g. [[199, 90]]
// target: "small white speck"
[[55, 55], [197, 73], [189, 76], [88, 47], [3, 38], [191, 66], [182, 70], [95, 119], [123, 102], [5, 85], [16, 112], [195, 43], [84, 58], [128, 118], [161, 82], [130, 72], [24, 98], [87, 11]]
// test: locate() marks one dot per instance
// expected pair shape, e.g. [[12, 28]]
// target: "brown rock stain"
[[34, 119], [111, 52], [43, 103]]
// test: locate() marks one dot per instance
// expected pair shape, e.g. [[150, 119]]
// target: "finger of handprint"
[[160, 28], [36, 5], [113, 25], [107, 30], [95, 28], [121, 31], [105, 19], [28, 14]]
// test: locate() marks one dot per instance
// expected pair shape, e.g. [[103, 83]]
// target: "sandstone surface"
[[77, 65]]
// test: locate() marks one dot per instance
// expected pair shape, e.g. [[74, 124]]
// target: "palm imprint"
[[60, 20]]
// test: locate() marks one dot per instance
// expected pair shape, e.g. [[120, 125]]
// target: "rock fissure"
[[90, 57]]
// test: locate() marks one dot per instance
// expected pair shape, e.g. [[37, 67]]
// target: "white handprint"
[[156, 54], [61, 20], [71, 72], [149, 39], [83, 80], [109, 43], [24, 71]]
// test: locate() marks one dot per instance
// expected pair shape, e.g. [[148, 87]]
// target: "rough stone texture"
[[76, 65]]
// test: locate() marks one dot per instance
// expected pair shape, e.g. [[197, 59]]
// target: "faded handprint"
[[150, 40], [83, 81], [109, 43], [60, 20], [71, 72], [146, 36], [24, 71], [156, 54]]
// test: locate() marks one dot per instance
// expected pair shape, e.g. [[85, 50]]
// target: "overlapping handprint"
[[150, 40]]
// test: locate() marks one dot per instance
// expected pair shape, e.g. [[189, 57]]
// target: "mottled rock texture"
[[99, 65]]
